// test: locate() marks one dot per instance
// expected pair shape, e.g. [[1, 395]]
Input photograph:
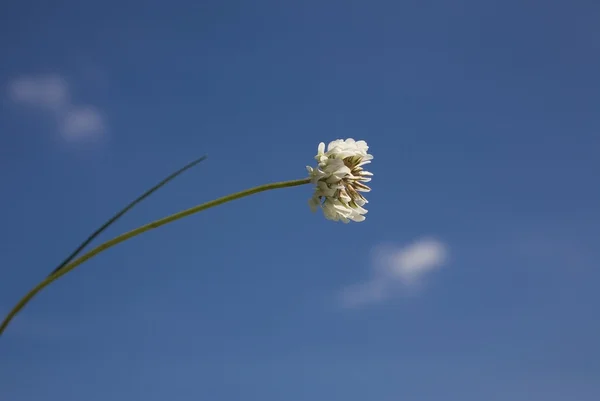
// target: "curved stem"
[[122, 212], [138, 231]]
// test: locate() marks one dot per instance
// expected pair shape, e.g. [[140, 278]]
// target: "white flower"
[[339, 180]]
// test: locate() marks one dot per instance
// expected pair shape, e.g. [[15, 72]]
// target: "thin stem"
[[140, 230], [122, 212]]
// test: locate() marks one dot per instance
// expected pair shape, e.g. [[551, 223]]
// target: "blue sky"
[[483, 120]]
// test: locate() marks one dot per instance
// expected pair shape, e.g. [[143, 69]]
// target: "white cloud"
[[395, 269], [82, 121], [51, 93], [45, 91], [412, 262]]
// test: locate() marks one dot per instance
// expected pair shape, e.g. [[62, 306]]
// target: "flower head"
[[339, 180]]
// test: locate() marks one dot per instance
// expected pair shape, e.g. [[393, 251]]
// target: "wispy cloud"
[[86, 120], [51, 93], [395, 269], [47, 92]]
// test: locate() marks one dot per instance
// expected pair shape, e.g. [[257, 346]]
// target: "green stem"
[[140, 230], [122, 212]]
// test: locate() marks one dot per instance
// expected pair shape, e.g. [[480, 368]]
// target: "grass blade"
[[123, 211]]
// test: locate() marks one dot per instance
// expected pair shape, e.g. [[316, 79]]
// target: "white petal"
[[360, 210], [334, 144], [341, 208], [325, 189], [321, 148], [344, 197], [358, 218], [329, 212], [360, 201]]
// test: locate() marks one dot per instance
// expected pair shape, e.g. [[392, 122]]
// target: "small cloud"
[[51, 93], [82, 121], [47, 91], [395, 269], [412, 262]]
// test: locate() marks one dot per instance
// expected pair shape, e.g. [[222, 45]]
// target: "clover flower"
[[339, 180]]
